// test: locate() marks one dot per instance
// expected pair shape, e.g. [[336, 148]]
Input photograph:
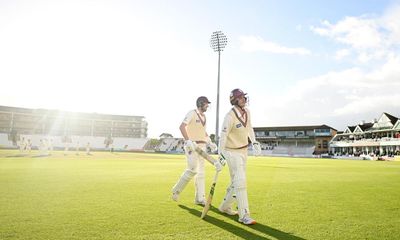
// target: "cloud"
[[338, 98], [342, 53], [254, 44], [358, 32], [371, 37]]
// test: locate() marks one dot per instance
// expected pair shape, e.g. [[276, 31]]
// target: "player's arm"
[[252, 136], [182, 128], [189, 116], [189, 145], [226, 129]]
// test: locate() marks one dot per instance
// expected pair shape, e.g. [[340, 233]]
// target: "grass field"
[[127, 196]]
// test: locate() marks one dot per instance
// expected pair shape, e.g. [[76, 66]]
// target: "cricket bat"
[[204, 155], [210, 197]]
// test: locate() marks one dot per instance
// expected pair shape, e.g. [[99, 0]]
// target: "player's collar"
[[243, 118], [201, 116]]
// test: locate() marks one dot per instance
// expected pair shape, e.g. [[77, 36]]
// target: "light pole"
[[218, 42]]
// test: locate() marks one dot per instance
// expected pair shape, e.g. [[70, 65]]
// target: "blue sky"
[[301, 62]]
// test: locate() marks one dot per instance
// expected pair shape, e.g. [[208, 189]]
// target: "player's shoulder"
[[189, 116], [191, 112]]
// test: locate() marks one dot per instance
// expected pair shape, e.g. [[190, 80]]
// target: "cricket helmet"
[[235, 95], [201, 101]]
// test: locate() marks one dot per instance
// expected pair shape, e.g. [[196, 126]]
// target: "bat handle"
[[216, 176]]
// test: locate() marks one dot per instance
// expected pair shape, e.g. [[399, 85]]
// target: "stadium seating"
[[290, 149], [4, 142], [125, 144], [130, 144], [170, 145]]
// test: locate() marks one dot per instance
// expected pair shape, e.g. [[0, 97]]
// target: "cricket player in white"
[[193, 129], [234, 140], [29, 146], [22, 145]]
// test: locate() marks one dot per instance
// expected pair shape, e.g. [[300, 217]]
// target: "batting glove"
[[213, 147], [256, 148], [189, 145], [218, 166]]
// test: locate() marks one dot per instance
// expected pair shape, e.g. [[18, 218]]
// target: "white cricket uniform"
[[22, 145], [29, 146], [42, 147], [196, 130], [235, 134], [88, 148]]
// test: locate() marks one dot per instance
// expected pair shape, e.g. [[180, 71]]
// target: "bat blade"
[[210, 197], [204, 155]]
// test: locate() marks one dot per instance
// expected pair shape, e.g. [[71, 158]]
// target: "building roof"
[[52, 112], [294, 128], [365, 126], [392, 118], [352, 128]]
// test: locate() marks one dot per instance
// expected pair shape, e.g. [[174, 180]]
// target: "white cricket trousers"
[[195, 168], [237, 169]]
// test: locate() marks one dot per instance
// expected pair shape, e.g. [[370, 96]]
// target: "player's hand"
[[213, 147], [218, 166], [221, 158], [189, 145], [256, 148]]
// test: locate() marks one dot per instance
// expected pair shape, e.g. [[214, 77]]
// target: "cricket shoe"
[[247, 220], [201, 203], [175, 196], [228, 211]]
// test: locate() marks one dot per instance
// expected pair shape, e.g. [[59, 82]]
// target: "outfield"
[[127, 196]]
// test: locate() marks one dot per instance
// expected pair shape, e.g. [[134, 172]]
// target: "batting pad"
[[229, 198], [239, 183], [183, 181], [199, 183], [243, 203]]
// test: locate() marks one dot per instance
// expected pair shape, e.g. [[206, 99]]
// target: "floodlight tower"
[[218, 42]]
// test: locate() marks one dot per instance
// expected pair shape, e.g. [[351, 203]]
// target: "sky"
[[303, 62]]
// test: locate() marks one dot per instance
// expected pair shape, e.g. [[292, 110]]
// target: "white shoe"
[[175, 196], [202, 203], [228, 211], [247, 220]]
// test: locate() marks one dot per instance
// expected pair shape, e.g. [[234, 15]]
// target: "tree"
[[166, 135]]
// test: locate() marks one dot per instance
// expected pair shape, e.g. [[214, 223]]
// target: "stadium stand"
[[170, 145], [294, 140], [375, 139], [293, 150], [4, 142], [60, 128]]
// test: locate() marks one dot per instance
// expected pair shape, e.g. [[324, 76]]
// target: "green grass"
[[127, 196]]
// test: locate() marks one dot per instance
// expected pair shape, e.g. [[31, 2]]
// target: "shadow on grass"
[[17, 155], [42, 155], [242, 232]]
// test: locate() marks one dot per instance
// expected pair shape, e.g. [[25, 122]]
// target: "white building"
[[380, 137]]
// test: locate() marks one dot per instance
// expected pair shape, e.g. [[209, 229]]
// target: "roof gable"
[[385, 122], [358, 129], [349, 129], [366, 126], [397, 125], [392, 118]]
